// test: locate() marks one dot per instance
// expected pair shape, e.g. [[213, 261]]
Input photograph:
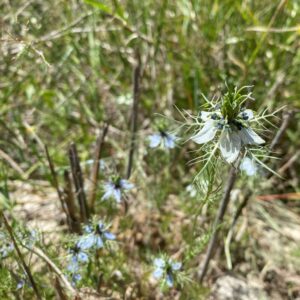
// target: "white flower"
[[249, 166], [234, 134], [162, 138]]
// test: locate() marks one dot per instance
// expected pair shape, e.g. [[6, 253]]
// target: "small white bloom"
[[191, 190], [234, 134], [249, 166]]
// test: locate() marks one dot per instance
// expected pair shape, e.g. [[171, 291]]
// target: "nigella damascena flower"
[[114, 188], [95, 237], [163, 139], [249, 166], [234, 134], [165, 269], [78, 255]]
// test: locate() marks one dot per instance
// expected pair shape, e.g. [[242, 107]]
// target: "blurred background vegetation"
[[67, 68]]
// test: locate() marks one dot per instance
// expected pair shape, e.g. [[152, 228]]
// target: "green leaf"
[[99, 5]]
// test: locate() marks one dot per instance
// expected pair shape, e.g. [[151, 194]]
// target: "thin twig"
[[95, 170], [134, 116], [78, 181], [219, 218], [56, 185], [70, 203], [287, 115], [20, 255], [55, 269]]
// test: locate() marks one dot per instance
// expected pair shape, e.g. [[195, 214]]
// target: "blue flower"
[[165, 269], [95, 237], [76, 277], [78, 255], [20, 284], [163, 139], [114, 189]]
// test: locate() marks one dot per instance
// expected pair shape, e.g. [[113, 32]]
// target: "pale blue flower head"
[[163, 139], [114, 189], [96, 237], [165, 269]]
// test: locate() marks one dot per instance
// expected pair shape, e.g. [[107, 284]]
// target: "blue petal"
[[109, 236], [117, 195], [86, 242], [20, 284], [72, 267], [99, 242], [158, 273], [176, 266], [126, 185], [83, 257], [154, 140], [109, 189], [159, 262], [169, 141], [169, 280]]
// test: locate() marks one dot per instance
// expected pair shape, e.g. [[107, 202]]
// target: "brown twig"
[[56, 185], [96, 165], [20, 255], [219, 218], [134, 116], [70, 203], [78, 182]]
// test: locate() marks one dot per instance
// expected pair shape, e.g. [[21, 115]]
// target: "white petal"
[[248, 165], [230, 145], [207, 133], [205, 115], [249, 137]]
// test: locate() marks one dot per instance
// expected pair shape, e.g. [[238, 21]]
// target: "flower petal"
[[230, 145], [169, 141], [83, 257], [117, 195], [158, 273], [159, 262], [109, 235], [176, 266], [99, 242], [154, 140], [126, 185], [249, 137], [248, 165], [207, 133], [86, 242], [169, 280], [205, 115]]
